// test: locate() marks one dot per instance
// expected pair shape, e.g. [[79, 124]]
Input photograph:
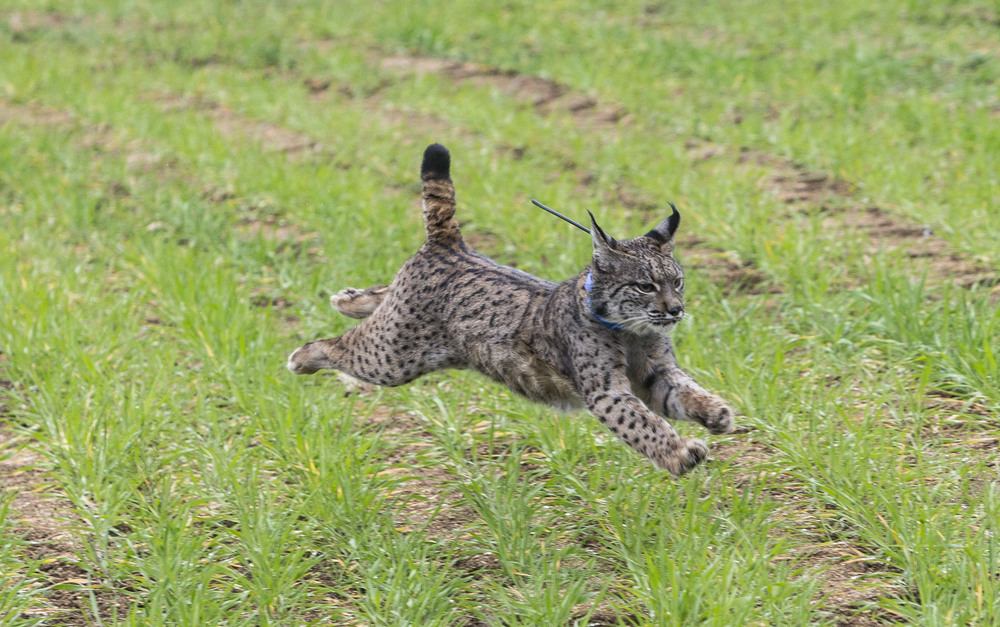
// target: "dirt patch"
[[605, 617], [271, 137], [96, 137], [743, 453], [21, 469], [273, 228], [544, 95], [273, 302], [851, 583], [23, 23], [420, 124], [975, 15], [44, 520], [426, 501], [73, 591], [807, 192], [33, 113], [35, 506], [930, 253], [725, 269], [958, 409]]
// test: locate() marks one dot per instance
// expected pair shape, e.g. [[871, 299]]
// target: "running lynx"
[[599, 340]]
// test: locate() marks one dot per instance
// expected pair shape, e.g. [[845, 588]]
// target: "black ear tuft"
[[437, 163], [675, 220], [664, 231], [596, 231]]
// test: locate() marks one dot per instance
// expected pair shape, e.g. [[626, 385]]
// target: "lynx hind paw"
[[689, 453], [720, 419], [355, 303]]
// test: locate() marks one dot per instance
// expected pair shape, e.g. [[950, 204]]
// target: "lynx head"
[[636, 285]]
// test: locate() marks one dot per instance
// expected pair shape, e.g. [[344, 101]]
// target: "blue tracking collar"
[[588, 285]]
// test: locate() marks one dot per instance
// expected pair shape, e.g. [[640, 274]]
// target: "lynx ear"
[[663, 233], [604, 244]]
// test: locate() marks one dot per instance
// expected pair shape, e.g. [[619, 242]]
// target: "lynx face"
[[637, 284]]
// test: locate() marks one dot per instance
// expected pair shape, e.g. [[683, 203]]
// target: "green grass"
[[161, 258]]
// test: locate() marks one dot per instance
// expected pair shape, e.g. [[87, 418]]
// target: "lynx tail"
[[439, 197]]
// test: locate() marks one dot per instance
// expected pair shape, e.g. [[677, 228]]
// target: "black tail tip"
[[437, 163]]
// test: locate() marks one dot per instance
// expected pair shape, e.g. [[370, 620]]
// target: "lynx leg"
[[355, 303], [375, 353], [629, 419], [674, 394]]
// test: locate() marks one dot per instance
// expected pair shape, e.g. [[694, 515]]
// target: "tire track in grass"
[[443, 513], [851, 579], [410, 437], [23, 23], [45, 520], [793, 184], [145, 161], [806, 192], [94, 136], [545, 97], [271, 137], [853, 573]]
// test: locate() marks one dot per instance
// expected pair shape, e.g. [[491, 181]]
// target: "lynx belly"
[[539, 382]]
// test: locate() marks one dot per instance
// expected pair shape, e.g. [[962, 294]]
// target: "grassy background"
[[182, 184]]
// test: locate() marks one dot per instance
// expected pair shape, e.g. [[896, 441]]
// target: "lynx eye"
[[645, 288], [679, 283]]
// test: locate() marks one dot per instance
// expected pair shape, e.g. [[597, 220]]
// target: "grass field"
[[183, 184]]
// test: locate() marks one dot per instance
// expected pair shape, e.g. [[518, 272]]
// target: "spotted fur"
[[599, 340]]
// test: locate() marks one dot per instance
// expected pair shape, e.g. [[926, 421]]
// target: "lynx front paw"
[[720, 419], [689, 453]]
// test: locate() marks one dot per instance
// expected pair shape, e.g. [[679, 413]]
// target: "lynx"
[[599, 340]]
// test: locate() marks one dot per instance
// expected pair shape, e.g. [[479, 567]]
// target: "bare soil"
[[544, 95], [272, 137], [45, 521]]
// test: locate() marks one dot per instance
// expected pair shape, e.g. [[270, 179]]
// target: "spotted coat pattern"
[[451, 307]]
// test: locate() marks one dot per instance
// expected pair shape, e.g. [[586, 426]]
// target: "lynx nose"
[[676, 310]]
